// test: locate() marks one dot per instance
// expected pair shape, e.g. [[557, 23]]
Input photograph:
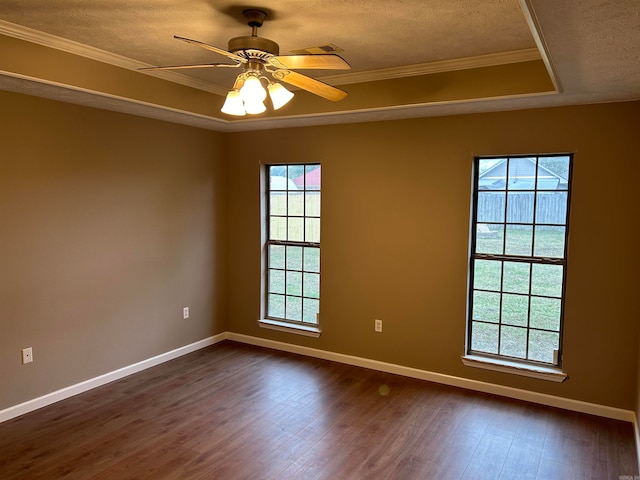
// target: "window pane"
[[312, 230], [276, 281], [486, 306], [276, 256], [313, 177], [278, 228], [487, 275], [513, 341], [311, 259], [276, 306], [545, 313], [491, 206], [312, 204], [551, 207], [310, 309], [489, 238], [515, 309], [547, 280], [520, 207], [549, 242], [295, 230], [522, 173], [485, 337], [553, 173], [542, 345], [294, 283], [296, 203], [519, 240], [516, 277], [294, 258], [492, 174], [294, 308], [278, 203], [278, 177], [311, 285]]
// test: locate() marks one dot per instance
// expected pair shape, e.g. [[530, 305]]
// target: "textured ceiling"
[[592, 45], [373, 35]]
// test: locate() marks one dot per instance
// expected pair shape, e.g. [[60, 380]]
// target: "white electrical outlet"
[[378, 325], [27, 355], [185, 312]]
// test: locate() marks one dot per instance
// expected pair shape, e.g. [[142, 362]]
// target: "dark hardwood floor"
[[233, 411]]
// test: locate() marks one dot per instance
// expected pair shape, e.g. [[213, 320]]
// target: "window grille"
[[518, 257], [293, 243]]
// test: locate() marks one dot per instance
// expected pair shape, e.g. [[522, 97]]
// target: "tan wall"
[[395, 224], [110, 224]]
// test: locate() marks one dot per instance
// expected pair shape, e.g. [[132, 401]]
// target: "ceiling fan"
[[258, 57]]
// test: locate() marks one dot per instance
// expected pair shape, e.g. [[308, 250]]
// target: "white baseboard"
[[535, 397], [81, 387]]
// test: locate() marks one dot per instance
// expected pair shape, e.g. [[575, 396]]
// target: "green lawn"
[[519, 240], [509, 296], [294, 283]]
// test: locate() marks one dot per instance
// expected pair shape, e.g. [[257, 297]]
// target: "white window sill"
[[498, 365], [306, 330]]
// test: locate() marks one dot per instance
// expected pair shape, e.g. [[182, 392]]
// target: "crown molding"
[[488, 60], [52, 41], [37, 87]]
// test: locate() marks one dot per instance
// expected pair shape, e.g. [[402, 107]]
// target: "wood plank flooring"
[[233, 411]]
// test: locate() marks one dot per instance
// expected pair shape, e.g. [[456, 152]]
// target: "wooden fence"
[[551, 207], [303, 212]]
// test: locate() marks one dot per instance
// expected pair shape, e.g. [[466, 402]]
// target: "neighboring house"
[[494, 178], [522, 201], [312, 180]]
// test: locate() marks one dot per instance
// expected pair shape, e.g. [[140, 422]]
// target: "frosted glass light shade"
[[279, 95], [233, 104], [252, 91], [253, 108]]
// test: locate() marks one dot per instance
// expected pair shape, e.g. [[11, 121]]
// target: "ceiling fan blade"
[[201, 65], [233, 56], [330, 61], [310, 84]]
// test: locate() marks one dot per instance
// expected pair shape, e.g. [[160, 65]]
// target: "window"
[[518, 258], [292, 249]]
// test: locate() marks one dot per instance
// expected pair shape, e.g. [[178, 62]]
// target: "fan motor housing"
[[239, 44]]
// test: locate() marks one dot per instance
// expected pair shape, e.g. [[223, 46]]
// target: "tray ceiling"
[[408, 57]]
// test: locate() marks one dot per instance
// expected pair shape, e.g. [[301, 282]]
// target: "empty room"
[[319, 239]]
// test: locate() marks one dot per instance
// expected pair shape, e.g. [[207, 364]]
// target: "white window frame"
[[298, 326], [547, 370]]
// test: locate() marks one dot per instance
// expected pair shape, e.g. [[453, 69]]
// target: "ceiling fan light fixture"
[[258, 56], [254, 108], [279, 95], [252, 91], [233, 104]]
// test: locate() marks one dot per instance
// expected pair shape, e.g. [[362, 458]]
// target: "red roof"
[[313, 179]]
